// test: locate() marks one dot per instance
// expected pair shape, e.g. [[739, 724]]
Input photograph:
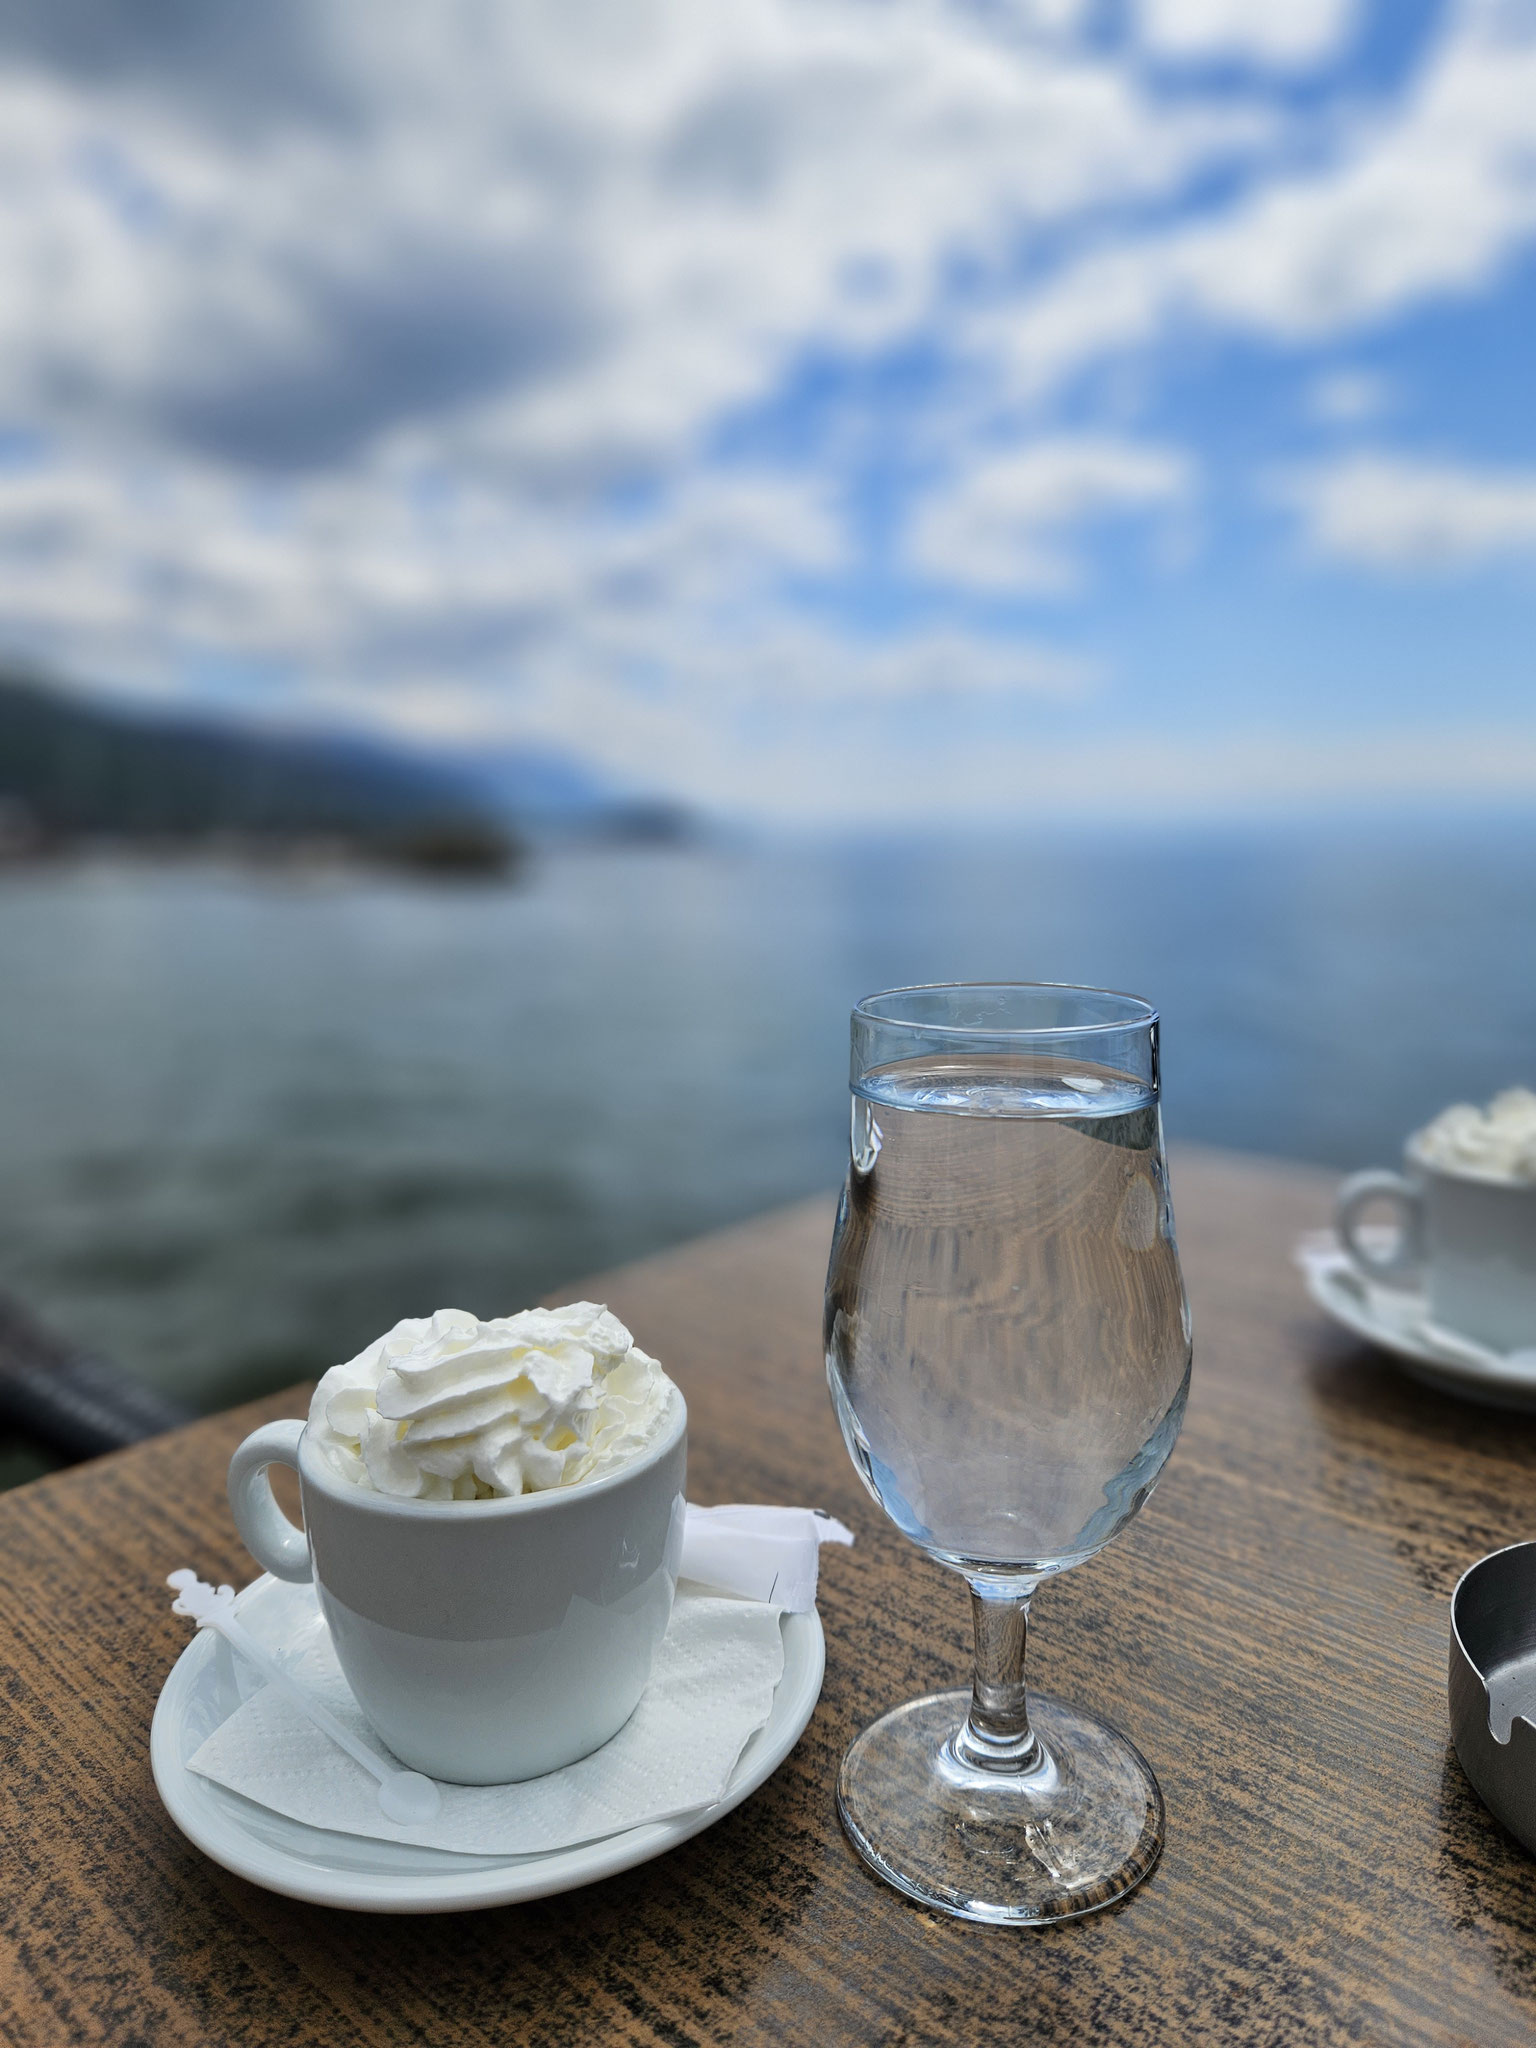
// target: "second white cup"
[[1468, 1241]]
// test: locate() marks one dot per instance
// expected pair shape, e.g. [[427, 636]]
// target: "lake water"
[[247, 1121]]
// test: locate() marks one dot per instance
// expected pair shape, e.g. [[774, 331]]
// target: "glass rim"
[[1140, 1012]]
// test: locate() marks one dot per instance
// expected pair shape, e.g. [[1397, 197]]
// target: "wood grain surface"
[[1271, 1632]]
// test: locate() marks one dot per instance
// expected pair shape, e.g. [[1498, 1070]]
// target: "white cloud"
[[969, 762], [1420, 202], [763, 668], [1384, 511], [392, 356], [118, 570], [1280, 32], [1278, 771], [1006, 520], [1344, 398], [338, 373], [573, 232], [783, 722], [654, 645]]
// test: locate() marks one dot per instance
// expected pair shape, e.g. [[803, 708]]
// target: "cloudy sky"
[[819, 408]]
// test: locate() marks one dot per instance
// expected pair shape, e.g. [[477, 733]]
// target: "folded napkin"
[[768, 1554], [711, 1689]]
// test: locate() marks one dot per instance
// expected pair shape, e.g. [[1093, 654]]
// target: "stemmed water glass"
[[1008, 1348]]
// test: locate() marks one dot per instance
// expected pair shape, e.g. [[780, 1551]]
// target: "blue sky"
[[822, 409]]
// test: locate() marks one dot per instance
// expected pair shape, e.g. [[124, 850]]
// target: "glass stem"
[[997, 1735]]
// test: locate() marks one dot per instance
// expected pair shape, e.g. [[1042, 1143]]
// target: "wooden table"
[[1271, 1632]]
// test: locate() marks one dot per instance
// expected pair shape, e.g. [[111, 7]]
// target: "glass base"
[[1076, 1831]]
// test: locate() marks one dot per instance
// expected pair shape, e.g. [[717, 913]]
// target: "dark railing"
[[68, 1402]]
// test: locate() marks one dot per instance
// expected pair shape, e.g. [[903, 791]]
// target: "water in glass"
[[1008, 1343]]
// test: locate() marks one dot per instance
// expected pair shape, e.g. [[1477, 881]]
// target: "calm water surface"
[[246, 1122]]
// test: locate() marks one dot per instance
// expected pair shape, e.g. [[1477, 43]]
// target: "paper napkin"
[[762, 1553], [711, 1690]]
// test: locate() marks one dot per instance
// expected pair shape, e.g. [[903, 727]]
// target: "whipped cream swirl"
[[1496, 1143], [447, 1407]]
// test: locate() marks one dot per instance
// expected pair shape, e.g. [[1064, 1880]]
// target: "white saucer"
[[331, 1869], [1398, 1321]]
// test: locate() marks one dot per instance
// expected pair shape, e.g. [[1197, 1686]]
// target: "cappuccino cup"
[[1467, 1240], [485, 1640]]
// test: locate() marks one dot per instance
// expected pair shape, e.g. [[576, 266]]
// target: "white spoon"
[[405, 1797]]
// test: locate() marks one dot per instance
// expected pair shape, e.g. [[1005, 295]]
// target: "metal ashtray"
[[1493, 1684]]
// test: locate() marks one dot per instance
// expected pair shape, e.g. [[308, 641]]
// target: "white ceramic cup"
[[1470, 1243], [491, 1640]]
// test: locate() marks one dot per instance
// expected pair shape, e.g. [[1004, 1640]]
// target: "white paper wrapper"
[[770, 1554]]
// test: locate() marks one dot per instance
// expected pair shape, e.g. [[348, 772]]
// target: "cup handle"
[[265, 1530], [1407, 1255]]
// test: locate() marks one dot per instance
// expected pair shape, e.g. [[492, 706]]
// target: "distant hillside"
[[552, 796], [71, 768]]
